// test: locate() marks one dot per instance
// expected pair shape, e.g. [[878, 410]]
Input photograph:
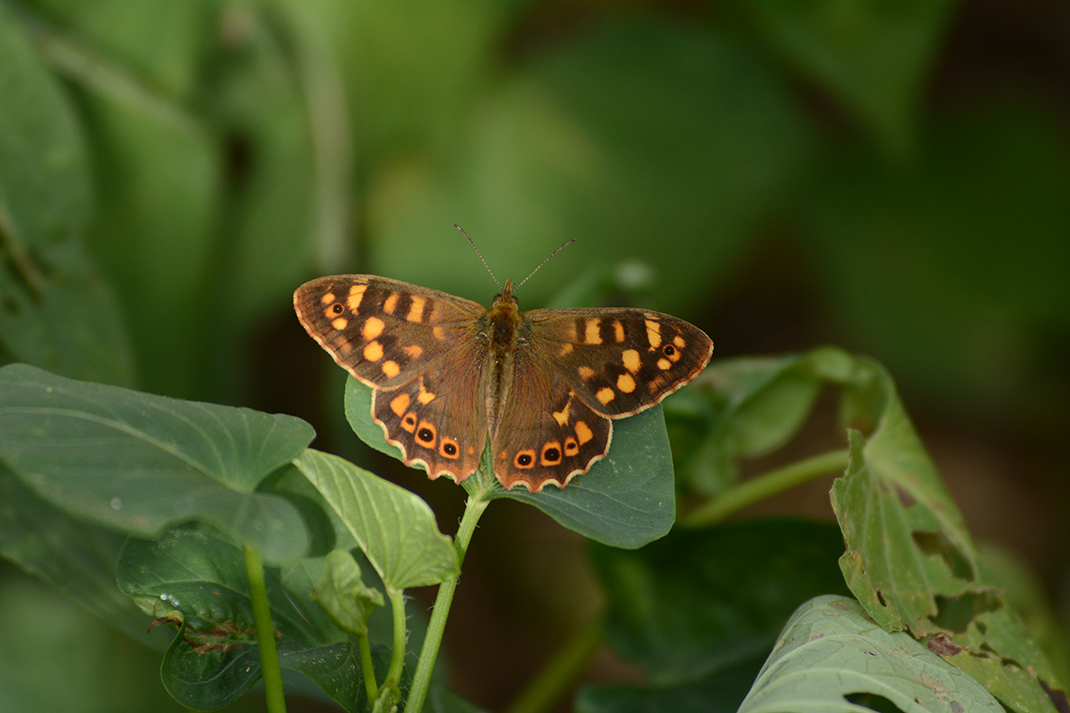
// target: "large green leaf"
[[197, 581], [698, 601], [625, 500], [832, 657], [394, 528], [137, 463], [911, 563]]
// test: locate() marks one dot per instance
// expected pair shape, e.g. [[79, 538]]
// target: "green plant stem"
[[367, 668], [764, 486], [421, 679], [265, 632], [397, 656], [558, 674]]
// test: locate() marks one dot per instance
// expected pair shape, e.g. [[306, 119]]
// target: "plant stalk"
[[765, 486], [421, 680], [265, 632]]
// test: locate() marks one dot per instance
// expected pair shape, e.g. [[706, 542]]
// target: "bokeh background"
[[890, 176]]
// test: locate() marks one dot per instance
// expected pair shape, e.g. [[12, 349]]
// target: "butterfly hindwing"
[[546, 433], [437, 419]]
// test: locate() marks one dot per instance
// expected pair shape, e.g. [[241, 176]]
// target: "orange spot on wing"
[[340, 323], [356, 294], [631, 360], [373, 351], [605, 395], [626, 383], [592, 332], [391, 303], [400, 404], [372, 328], [416, 311], [391, 369], [583, 432]]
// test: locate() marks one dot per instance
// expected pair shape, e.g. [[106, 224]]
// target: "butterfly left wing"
[[414, 347], [581, 369]]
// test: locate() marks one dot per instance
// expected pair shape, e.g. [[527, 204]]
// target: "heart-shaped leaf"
[[138, 463]]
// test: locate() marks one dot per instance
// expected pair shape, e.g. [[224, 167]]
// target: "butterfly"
[[543, 385]]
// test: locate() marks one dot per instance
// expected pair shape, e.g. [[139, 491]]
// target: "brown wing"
[[416, 348], [621, 361]]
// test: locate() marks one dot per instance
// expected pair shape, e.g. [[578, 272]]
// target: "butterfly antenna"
[[472, 242], [559, 249]]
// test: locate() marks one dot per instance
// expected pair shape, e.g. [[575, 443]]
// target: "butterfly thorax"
[[502, 327]]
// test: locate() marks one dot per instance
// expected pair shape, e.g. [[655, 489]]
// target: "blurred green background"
[[891, 176]]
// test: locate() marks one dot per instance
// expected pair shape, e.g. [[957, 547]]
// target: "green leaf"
[[626, 500], [344, 595], [696, 602], [137, 463], [911, 563], [753, 406], [394, 528], [831, 655], [197, 581]]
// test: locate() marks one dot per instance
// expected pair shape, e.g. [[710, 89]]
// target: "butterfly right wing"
[[415, 348]]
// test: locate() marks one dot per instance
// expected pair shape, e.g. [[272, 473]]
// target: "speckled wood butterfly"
[[544, 385]]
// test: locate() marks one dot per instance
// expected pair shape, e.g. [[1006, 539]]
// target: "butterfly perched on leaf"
[[543, 385]]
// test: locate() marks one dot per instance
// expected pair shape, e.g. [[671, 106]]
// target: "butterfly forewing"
[[621, 362], [384, 332]]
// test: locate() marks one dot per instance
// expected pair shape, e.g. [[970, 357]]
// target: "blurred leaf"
[[345, 597], [55, 311], [910, 561], [164, 44], [831, 657], [626, 500], [57, 659], [953, 269], [625, 133], [395, 529], [1026, 593], [214, 657], [696, 602], [413, 69], [72, 556], [874, 57], [138, 463]]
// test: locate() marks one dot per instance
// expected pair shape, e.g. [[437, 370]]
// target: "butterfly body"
[[543, 385]]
